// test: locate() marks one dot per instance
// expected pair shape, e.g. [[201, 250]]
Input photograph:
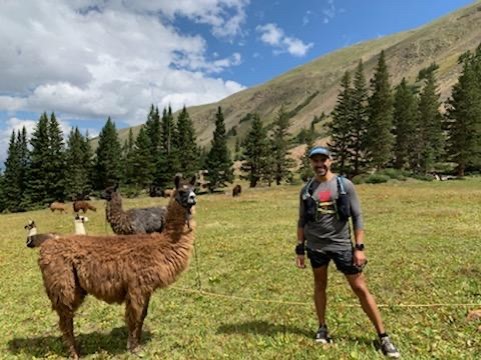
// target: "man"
[[323, 230]]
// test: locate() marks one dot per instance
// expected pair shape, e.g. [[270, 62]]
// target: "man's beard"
[[321, 170]]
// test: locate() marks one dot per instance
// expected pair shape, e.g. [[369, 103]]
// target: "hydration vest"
[[342, 204]]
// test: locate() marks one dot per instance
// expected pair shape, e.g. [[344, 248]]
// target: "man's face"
[[321, 164]]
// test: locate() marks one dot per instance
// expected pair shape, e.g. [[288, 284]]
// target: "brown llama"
[[236, 191], [132, 221], [83, 205], [61, 207], [118, 268]]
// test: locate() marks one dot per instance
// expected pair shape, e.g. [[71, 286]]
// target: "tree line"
[[46, 168], [376, 126], [373, 127]]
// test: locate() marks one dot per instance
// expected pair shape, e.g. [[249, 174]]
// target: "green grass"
[[422, 244]]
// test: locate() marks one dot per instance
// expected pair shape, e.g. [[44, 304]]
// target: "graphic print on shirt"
[[326, 204]]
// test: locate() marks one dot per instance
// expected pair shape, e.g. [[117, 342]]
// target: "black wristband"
[[300, 249]]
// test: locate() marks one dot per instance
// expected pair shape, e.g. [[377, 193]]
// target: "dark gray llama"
[[133, 221]]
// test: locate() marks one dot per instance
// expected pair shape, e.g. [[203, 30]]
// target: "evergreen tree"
[[107, 162], [280, 153], [37, 187], [379, 138], [88, 160], [12, 185], [218, 162], [77, 169], [128, 158], [55, 162], [186, 142], [306, 169], [237, 149], [341, 127], [256, 147], [430, 121], [153, 130], [2, 193], [405, 126], [168, 163], [359, 120], [143, 165], [463, 116]]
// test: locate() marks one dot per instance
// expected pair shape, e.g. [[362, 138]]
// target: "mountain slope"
[[313, 87]]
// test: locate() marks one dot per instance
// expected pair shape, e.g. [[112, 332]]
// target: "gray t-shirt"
[[326, 232]]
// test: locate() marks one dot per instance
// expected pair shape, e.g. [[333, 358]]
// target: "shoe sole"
[[393, 356], [323, 341]]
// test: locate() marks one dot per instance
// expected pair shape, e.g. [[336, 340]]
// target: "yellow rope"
[[234, 297]]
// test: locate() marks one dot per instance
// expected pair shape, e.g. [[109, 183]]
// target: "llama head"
[[184, 192], [109, 192], [30, 225], [81, 219]]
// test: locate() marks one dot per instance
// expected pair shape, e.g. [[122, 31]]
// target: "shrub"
[[377, 179], [394, 174]]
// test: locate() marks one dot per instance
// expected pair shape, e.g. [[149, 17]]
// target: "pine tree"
[[430, 120], [107, 162], [128, 158], [168, 163], [55, 162], [3, 205], [36, 192], [77, 169], [405, 127], [379, 138], [359, 121], [306, 169], [280, 153], [256, 147], [463, 116], [237, 149], [143, 166], [341, 127], [88, 160], [12, 187], [186, 141], [218, 162]]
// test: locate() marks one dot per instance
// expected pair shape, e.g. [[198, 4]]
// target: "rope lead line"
[[234, 297]]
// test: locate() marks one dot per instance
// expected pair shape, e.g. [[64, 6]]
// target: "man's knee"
[[360, 289]]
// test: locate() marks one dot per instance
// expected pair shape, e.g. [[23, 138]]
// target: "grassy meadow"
[[423, 246]]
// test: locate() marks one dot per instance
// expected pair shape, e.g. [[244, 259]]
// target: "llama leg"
[[142, 318], [133, 314], [66, 326]]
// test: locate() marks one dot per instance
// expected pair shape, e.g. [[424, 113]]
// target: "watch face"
[[360, 246]]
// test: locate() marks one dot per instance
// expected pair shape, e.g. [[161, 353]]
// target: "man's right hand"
[[301, 261]]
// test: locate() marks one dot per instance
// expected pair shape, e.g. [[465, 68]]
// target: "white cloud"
[[273, 35], [89, 59], [329, 12]]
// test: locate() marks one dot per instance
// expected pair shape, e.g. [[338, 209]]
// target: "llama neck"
[[79, 228], [32, 231], [114, 208], [176, 220], [180, 240], [116, 216]]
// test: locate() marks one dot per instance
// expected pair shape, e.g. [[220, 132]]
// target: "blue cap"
[[319, 150]]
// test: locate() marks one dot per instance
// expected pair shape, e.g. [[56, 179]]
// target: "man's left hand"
[[359, 258]]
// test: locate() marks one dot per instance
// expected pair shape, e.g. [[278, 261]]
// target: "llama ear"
[[192, 181], [177, 180]]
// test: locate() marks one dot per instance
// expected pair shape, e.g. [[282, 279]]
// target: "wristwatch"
[[359, 247]]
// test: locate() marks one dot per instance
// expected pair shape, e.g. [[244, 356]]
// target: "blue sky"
[[89, 59]]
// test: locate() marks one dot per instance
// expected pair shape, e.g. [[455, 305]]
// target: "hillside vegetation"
[[313, 87]]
